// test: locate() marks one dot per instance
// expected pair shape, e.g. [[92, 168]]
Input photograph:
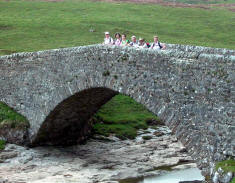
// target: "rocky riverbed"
[[100, 160]]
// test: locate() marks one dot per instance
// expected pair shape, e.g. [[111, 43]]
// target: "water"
[[98, 161], [176, 176]]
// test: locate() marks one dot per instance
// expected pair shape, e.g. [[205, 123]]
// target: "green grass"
[[2, 144], [233, 180], [38, 25], [227, 166], [122, 116], [10, 118], [202, 1]]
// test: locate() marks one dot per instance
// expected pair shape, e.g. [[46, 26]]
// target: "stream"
[[189, 174], [158, 158]]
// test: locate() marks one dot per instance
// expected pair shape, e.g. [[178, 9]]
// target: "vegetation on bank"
[[227, 166], [10, 118], [2, 144], [122, 116], [37, 25], [233, 180]]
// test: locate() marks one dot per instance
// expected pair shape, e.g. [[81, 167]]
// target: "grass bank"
[[9, 118], [227, 166], [2, 144], [122, 116], [10, 121], [38, 25]]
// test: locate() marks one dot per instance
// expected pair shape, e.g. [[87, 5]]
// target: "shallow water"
[[110, 160], [176, 176]]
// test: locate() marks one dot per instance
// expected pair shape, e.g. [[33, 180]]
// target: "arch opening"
[[68, 123]]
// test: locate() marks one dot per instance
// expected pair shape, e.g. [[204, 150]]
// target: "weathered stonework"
[[14, 135], [191, 88]]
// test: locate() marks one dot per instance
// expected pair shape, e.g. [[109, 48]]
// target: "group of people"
[[121, 40]]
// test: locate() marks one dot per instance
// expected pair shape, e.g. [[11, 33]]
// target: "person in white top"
[[142, 43], [157, 45], [134, 42], [108, 40]]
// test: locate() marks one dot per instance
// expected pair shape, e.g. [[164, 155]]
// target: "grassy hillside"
[[202, 1], [122, 116], [39, 25]]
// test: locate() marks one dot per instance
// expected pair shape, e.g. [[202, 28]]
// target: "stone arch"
[[66, 120]]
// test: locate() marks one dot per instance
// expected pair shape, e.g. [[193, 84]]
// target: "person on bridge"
[[156, 45], [118, 39], [142, 43], [108, 40], [134, 42], [125, 41]]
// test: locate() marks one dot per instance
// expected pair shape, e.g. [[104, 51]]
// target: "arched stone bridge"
[[192, 89]]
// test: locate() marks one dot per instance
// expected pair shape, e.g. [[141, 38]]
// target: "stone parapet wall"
[[201, 49], [191, 88]]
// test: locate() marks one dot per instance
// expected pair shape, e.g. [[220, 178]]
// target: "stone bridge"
[[192, 89]]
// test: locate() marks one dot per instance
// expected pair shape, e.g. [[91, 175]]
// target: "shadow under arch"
[[68, 123]]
